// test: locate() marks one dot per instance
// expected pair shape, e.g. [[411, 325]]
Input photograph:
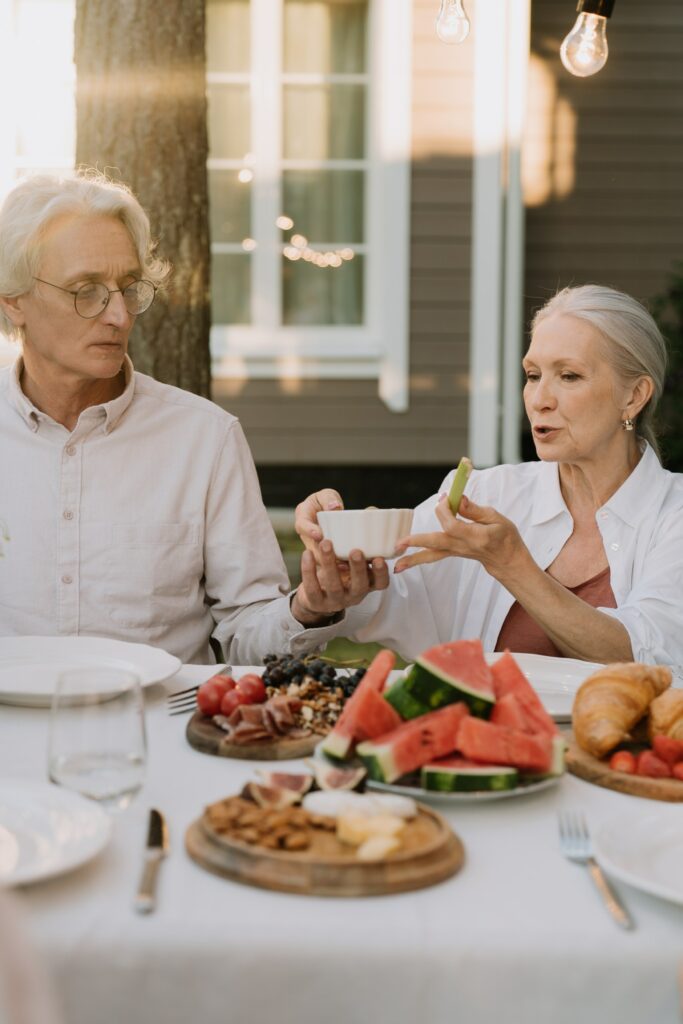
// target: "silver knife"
[[155, 850]]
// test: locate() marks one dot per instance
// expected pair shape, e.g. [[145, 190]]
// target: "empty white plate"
[[645, 850], [30, 665], [45, 831]]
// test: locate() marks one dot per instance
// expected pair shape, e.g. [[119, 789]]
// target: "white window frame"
[[377, 349]]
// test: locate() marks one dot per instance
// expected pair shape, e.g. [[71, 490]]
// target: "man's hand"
[[328, 586], [488, 538], [306, 516]]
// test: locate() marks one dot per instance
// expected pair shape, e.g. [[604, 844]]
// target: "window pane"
[[324, 122], [229, 127], [230, 206], [326, 206], [230, 288], [228, 37], [315, 295], [326, 37]]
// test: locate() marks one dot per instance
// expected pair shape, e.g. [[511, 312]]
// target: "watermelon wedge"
[[459, 775], [508, 679], [443, 675], [413, 744], [496, 744], [366, 713]]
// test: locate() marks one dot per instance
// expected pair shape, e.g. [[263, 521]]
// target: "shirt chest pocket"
[[153, 570]]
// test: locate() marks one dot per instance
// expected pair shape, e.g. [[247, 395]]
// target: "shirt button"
[[67, 579], [67, 513], [71, 449], [614, 547]]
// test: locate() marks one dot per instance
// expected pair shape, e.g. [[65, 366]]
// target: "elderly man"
[[129, 509]]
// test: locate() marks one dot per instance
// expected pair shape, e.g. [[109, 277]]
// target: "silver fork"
[[182, 701], [575, 844]]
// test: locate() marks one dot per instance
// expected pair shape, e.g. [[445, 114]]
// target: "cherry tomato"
[[623, 761], [224, 683], [651, 765], [253, 688], [677, 771], [209, 698], [669, 749], [231, 700]]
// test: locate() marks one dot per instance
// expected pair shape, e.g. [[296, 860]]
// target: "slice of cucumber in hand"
[[462, 475]]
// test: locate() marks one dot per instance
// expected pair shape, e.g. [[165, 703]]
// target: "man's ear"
[[12, 310]]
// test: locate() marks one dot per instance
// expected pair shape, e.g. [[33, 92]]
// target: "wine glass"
[[97, 743]]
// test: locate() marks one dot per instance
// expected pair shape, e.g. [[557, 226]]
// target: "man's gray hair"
[[33, 204], [634, 344]]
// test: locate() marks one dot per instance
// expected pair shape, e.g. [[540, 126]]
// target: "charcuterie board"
[[591, 769], [204, 735], [431, 853]]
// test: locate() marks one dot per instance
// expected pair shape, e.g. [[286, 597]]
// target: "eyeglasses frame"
[[111, 291]]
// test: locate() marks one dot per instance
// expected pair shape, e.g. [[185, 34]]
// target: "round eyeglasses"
[[92, 298]]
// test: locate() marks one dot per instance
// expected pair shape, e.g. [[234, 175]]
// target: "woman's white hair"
[[635, 346], [32, 205]]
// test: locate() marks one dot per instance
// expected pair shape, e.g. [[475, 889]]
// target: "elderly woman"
[[128, 508], [579, 554]]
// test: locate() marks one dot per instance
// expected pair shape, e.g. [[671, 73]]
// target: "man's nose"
[[115, 312]]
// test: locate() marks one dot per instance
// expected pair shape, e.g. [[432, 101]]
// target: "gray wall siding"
[[344, 421]]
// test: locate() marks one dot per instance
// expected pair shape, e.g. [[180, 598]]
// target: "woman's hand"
[[306, 515], [328, 587], [488, 538]]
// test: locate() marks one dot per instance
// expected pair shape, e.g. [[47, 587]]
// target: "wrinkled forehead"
[[563, 336], [75, 244]]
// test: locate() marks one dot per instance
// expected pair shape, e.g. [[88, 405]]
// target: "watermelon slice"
[[458, 775], [496, 744], [366, 713], [444, 675], [508, 678], [413, 744]]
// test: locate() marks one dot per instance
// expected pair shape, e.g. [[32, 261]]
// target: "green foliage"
[[667, 310]]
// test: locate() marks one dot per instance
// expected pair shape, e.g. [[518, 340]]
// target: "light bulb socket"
[[603, 8]]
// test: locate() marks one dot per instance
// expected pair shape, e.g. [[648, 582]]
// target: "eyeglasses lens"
[[92, 299]]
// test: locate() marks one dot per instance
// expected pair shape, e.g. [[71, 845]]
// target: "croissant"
[[666, 715], [610, 702]]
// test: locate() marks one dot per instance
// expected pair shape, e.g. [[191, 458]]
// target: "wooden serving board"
[[203, 735], [432, 853], [591, 769]]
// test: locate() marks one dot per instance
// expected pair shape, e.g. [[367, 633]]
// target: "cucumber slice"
[[461, 779], [462, 475]]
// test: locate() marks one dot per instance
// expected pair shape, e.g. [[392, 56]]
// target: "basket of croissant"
[[630, 714]]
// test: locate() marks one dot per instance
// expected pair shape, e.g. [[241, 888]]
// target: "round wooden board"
[[591, 769], [310, 873], [203, 735]]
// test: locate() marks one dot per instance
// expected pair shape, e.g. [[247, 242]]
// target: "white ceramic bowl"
[[374, 531]]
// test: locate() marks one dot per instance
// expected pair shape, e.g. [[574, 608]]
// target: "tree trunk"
[[141, 118]]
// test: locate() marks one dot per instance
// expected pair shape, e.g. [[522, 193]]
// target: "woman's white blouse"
[[642, 531]]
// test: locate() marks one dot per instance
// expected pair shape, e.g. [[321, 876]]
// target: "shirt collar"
[[113, 411], [547, 500], [633, 500]]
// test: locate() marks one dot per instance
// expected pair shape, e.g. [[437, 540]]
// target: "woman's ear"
[[12, 310], [641, 393]]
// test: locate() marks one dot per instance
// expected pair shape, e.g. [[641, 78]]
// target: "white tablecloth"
[[519, 935]]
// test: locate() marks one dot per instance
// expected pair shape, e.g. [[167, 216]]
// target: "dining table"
[[518, 935]]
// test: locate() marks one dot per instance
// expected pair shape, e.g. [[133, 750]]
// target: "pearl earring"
[[627, 424]]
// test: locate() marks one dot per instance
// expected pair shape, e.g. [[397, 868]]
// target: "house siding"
[[344, 421]]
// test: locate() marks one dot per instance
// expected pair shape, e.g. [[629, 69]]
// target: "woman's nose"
[[542, 397]]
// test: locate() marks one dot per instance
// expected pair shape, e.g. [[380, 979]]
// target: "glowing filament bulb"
[[584, 51], [452, 23]]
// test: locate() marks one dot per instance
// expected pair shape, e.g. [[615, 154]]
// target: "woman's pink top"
[[521, 633]]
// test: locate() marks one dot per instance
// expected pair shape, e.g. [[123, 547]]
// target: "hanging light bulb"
[[452, 23], [584, 51]]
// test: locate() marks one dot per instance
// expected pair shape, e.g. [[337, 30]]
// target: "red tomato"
[[231, 700], [224, 683], [651, 765], [670, 750], [209, 698], [253, 688], [623, 761], [677, 771]]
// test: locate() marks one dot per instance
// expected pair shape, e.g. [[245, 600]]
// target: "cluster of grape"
[[281, 670]]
